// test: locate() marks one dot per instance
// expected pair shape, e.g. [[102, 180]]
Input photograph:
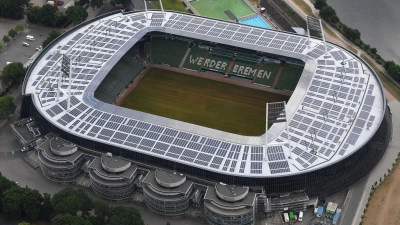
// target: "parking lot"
[[15, 51]]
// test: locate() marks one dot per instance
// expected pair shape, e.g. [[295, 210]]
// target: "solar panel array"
[[320, 128], [235, 32]]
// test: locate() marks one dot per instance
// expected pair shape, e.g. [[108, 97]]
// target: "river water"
[[377, 20]]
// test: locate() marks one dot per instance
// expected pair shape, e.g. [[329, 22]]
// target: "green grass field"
[[176, 5], [200, 101], [216, 8]]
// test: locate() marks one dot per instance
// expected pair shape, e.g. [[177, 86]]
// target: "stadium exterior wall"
[[320, 182]]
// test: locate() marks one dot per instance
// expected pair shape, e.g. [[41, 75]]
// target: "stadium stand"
[[196, 55], [162, 55], [248, 57], [126, 70], [147, 48], [222, 52], [267, 73], [290, 75], [217, 62], [244, 69]]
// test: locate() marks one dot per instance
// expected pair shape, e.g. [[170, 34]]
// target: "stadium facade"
[[339, 122]]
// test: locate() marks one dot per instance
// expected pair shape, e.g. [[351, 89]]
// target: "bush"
[[319, 4]]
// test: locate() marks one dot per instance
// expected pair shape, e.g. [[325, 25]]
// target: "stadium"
[[338, 120]]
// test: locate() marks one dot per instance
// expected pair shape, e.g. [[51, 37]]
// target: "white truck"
[[300, 216], [331, 208], [286, 217]]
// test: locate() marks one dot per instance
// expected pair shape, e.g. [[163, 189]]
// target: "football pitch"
[[200, 101], [216, 8]]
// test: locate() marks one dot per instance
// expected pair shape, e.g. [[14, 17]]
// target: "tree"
[[13, 197], [31, 204], [77, 14], [6, 39], [319, 4], [24, 223], [13, 73], [34, 14], [70, 201], [101, 213], [119, 2], [68, 219], [5, 184], [48, 15], [52, 35], [46, 209], [13, 8], [327, 12], [96, 3], [1, 47], [367, 47], [334, 19], [373, 51], [60, 19], [125, 215], [12, 33], [19, 28], [7, 107]]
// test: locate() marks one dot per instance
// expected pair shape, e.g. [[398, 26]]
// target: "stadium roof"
[[335, 109]]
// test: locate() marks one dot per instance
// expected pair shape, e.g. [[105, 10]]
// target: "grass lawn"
[[306, 8], [216, 8], [200, 101], [176, 5], [351, 48]]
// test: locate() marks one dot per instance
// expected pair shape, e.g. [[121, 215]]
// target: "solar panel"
[[167, 139], [242, 167], [246, 150], [233, 166], [204, 157], [133, 139], [278, 165]]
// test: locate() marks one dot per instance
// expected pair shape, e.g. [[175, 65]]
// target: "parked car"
[[39, 48], [25, 44], [30, 37]]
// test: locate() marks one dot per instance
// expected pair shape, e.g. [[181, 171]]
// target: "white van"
[[286, 217], [30, 37], [300, 216]]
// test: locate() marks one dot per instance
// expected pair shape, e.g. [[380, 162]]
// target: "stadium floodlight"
[[276, 113], [315, 24], [161, 5], [66, 69]]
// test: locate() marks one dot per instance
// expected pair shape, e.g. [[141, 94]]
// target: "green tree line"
[[329, 14], [66, 207], [49, 15], [13, 8]]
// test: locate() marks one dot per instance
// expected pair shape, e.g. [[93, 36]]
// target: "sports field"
[[200, 101], [216, 8]]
